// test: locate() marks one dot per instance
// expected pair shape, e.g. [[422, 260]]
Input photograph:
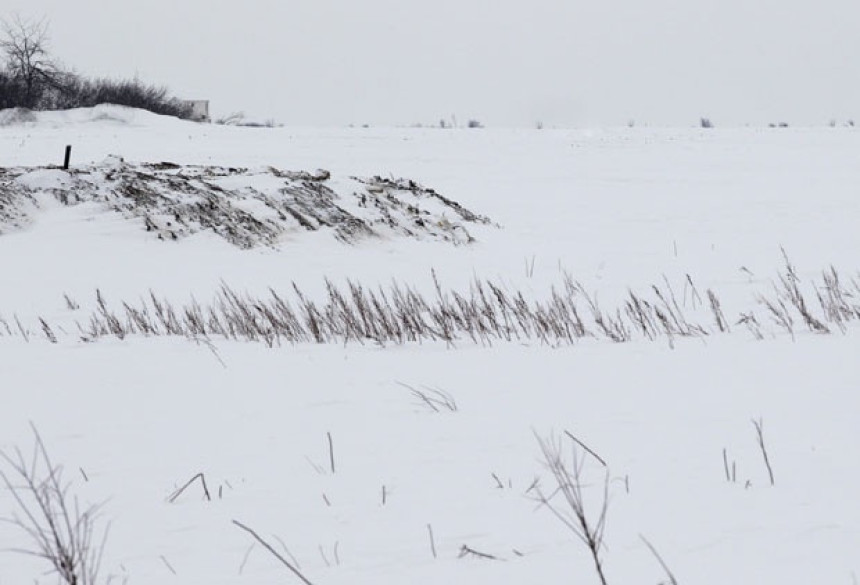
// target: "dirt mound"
[[247, 207]]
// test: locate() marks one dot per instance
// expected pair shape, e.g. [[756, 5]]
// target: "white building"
[[199, 110]]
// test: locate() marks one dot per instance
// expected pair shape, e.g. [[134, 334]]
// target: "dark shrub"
[[12, 91], [86, 93]]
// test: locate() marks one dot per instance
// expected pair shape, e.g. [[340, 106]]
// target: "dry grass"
[[568, 503], [486, 313], [399, 314], [60, 531]]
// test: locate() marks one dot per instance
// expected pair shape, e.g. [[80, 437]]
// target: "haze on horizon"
[[562, 63]]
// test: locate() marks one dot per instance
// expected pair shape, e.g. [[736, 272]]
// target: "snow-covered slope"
[[330, 452], [104, 116]]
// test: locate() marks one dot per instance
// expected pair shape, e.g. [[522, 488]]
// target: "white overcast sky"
[[503, 62]]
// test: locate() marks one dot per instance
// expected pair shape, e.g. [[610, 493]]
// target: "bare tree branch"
[[25, 43]]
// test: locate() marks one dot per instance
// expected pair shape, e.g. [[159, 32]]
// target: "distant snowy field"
[[614, 209]]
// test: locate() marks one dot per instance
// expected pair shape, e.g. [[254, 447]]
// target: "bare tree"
[[25, 43]]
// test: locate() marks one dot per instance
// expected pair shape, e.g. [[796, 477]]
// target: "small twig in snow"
[[202, 479], [584, 446], [432, 540], [324, 558], [167, 564], [660, 560], [465, 550], [246, 557], [760, 435], [330, 452], [269, 548], [499, 483]]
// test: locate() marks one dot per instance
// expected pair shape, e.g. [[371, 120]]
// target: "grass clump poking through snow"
[[396, 315], [67, 537], [568, 503], [487, 313]]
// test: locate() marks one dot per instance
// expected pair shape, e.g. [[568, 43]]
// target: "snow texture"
[[418, 462]]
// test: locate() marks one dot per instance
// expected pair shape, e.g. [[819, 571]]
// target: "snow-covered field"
[[325, 450]]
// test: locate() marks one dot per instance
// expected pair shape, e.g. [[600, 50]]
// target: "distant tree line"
[[31, 78]]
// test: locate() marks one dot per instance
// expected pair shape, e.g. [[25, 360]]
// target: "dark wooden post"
[[68, 156]]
